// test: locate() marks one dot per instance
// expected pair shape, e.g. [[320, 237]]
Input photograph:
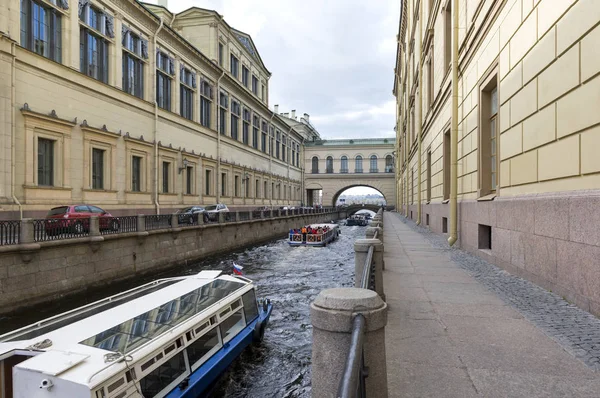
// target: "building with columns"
[[527, 127], [130, 107]]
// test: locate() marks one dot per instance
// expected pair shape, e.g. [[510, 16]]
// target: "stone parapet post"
[[331, 315], [174, 220], [221, 217], [94, 227], [361, 250], [237, 216], [370, 233], [141, 223], [27, 231]]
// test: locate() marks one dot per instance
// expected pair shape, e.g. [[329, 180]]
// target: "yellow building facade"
[[133, 108], [528, 170]]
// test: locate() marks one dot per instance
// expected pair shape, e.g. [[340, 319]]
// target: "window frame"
[[53, 29], [344, 162], [206, 100], [488, 161], [50, 162], [358, 164], [98, 173]]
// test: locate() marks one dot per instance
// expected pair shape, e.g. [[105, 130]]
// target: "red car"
[[77, 219]]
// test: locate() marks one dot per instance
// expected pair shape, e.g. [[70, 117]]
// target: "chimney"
[[286, 114], [276, 109], [293, 114], [306, 116]]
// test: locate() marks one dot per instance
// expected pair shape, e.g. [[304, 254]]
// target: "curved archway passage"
[[359, 194]]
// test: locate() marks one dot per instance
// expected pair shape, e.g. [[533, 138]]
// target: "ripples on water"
[[290, 277]]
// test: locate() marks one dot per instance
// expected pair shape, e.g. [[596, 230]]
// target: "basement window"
[[485, 237], [445, 225], [427, 219]]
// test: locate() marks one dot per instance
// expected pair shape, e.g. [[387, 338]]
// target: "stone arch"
[[349, 185]]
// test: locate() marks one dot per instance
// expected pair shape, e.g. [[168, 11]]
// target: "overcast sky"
[[332, 59]]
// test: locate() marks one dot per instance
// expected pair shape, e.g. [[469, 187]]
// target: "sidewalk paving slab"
[[448, 335]]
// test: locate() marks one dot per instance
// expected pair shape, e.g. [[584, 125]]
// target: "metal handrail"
[[353, 374], [352, 383]]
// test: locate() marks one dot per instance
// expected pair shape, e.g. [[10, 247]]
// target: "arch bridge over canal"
[[332, 166]]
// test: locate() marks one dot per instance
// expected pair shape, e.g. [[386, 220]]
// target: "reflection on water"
[[290, 277]]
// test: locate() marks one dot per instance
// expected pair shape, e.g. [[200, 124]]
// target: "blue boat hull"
[[200, 379]]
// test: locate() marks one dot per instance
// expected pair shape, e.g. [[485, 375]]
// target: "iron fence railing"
[[10, 231], [60, 228], [157, 221], [352, 383], [117, 225], [55, 229]]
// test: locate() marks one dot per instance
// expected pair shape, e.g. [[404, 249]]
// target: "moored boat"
[[168, 338], [315, 235], [357, 219]]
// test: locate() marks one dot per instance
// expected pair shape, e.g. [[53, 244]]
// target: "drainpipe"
[[408, 145], [155, 38], [302, 202], [217, 102], [270, 147], [420, 116], [13, 128], [454, 128]]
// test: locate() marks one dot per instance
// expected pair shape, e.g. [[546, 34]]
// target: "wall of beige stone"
[[88, 113], [63, 268], [544, 216]]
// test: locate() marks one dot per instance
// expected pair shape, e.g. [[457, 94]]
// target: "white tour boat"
[[168, 338], [320, 235]]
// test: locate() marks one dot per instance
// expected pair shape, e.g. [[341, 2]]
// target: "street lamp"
[[185, 163]]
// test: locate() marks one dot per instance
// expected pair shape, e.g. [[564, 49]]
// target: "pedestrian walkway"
[[448, 335]]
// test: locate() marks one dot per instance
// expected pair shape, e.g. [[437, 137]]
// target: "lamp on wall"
[[185, 163]]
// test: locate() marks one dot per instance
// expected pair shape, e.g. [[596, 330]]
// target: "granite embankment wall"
[[34, 274]]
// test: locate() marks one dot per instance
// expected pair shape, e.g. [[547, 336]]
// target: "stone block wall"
[[66, 267]]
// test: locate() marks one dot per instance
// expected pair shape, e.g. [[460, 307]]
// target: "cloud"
[[331, 59]]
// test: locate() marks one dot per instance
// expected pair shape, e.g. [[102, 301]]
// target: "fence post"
[[250, 215], [201, 218], [27, 231], [370, 233], [361, 250], [94, 226], [331, 315], [221, 217], [237, 216], [141, 223]]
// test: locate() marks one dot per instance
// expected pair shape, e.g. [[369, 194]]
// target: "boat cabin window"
[[232, 325], [137, 331], [199, 348], [250, 307], [163, 376]]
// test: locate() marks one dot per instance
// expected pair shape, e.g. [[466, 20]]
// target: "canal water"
[[290, 277]]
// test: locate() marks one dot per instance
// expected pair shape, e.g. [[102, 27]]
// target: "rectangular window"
[[262, 92], [133, 75], [223, 105], [413, 122], [488, 138], [41, 29], [235, 119], [199, 348], [254, 85], [164, 375], [207, 182], [236, 186], [189, 180], [97, 168], [246, 181], [165, 176], [256, 189], [447, 37], [264, 194], [136, 174], [93, 47], [263, 138], [164, 66], [277, 140], [430, 82], [272, 190], [447, 165], [234, 66], [45, 162], [255, 126], [428, 176], [245, 76], [221, 54], [246, 127], [186, 93], [205, 103], [493, 136], [223, 184]]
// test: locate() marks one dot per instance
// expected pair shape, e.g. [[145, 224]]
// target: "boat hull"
[[202, 378]]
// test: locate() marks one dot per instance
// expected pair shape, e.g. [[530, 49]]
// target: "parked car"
[[213, 211], [76, 219], [189, 215]]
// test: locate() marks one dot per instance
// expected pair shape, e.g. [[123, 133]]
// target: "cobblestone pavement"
[[576, 330]]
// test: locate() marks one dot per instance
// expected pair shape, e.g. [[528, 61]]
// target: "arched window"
[[358, 164], [315, 165], [329, 165], [373, 165], [389, 164], [344, 168]]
